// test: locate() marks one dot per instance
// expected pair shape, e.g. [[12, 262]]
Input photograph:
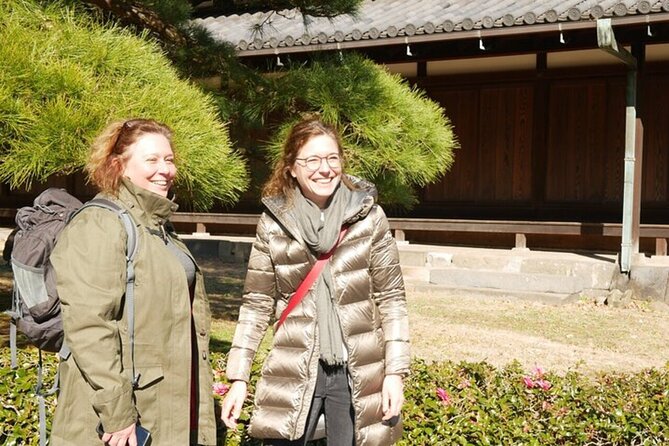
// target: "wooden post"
[[399, 235], [606, 41], [200, 228], [660, 246]]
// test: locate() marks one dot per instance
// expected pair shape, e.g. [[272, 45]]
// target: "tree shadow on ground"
[[224, 283], [219, 345]]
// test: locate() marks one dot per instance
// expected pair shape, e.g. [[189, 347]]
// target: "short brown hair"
[[109, 151], [281, 182]]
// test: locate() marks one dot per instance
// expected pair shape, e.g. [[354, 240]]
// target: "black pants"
[[333, 397]]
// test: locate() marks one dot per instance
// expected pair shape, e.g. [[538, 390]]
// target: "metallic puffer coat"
[[370, 301]]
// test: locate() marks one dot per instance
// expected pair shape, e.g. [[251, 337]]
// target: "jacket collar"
[[364, 197], [150, 208]]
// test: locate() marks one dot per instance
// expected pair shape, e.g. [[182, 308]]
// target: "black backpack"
[[35, 304]]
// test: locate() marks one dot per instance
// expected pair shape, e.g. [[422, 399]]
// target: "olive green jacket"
[[95, 380], [371, 305]]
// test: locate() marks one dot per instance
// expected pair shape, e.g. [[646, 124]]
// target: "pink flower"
[[543, 384], [538, 372], [443, 396], [220, 389], [528, 382]]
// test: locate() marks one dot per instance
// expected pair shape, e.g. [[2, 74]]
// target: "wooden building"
[[538, 108]]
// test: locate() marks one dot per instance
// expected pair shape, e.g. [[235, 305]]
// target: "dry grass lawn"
[[579, 336]]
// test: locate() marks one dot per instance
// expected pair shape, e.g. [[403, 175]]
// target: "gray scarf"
[[320, 230]]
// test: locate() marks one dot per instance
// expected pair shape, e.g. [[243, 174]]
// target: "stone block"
[[468, 278], [650, 282], [410, 257], [439, 259]]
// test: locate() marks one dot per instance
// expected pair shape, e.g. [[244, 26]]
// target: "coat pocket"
[[149, 375], [147, 396]]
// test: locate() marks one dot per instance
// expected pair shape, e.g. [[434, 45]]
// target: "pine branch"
[[135, 13], [316, 8]]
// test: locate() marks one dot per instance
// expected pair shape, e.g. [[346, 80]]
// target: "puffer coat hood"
[[171, 334], [370, 302]]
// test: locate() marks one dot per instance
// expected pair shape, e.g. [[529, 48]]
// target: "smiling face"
[[319, 184], [150, 164]]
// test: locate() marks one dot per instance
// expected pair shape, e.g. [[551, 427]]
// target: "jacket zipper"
[[304, 394], [349, 379]]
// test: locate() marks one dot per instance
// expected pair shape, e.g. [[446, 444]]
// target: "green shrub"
[[485, 406], [18, 404], [64, 76], [446, 403]]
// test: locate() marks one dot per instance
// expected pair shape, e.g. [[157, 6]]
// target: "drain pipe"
[[606, 41]]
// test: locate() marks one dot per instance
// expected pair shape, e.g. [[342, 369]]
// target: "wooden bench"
[[201, 220], [399, 225], [520, 228]]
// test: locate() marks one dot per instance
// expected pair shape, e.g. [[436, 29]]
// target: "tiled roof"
[[285, 31]]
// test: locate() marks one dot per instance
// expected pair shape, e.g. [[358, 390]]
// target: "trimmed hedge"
[[448, 403]]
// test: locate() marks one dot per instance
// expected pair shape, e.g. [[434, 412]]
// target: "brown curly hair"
[[109, 152], [281, 182]]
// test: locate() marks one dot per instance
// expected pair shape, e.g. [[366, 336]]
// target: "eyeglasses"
[[313, 163]]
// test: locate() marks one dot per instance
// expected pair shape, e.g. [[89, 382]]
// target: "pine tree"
[[394, 135], [64, 75]]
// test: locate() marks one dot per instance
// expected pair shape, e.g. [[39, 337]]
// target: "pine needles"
[[393, 134], [64, 76]]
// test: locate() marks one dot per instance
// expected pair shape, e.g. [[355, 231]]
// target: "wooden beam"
[[421, 69], [606, 40], [7, 213], [401, 225], [540, 125], [216, 218], [450, 225]]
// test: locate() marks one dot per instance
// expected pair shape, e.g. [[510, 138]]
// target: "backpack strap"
[[131, 251], [14, 314], [313, 274]]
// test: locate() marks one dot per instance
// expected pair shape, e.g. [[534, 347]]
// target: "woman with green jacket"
[[132, 163], [343, 351]]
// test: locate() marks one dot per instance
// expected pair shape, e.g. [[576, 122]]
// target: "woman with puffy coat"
[[342, 351], [100, 401]]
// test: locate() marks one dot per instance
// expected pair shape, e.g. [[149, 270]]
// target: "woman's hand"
[[121, 438], [232, 404], [393, 397]]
